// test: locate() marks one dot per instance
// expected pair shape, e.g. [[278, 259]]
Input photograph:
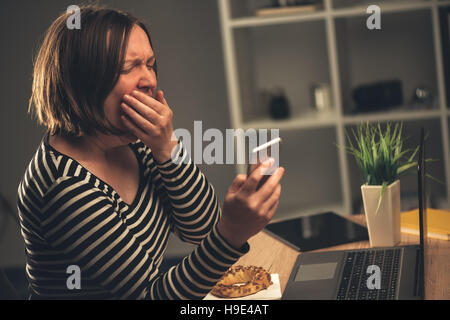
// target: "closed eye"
[[126, 71]]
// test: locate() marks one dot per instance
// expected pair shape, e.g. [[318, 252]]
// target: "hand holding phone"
[[261, 154], [246, 211]]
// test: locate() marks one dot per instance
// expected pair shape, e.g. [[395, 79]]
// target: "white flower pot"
[[384, 224]]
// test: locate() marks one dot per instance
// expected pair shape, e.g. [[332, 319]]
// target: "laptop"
[[387, 273]]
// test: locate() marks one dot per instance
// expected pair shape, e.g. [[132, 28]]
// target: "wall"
[[187, 41]]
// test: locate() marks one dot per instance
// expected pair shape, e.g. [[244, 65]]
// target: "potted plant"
[[381, 159]]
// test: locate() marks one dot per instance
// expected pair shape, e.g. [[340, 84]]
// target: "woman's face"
[[137, 74]]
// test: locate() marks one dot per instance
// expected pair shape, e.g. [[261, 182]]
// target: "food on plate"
[[240, 281]]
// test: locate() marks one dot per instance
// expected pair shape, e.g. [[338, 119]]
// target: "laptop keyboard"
[[354, 285]]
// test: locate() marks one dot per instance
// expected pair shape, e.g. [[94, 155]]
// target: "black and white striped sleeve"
[[193, 201], [81, 223]]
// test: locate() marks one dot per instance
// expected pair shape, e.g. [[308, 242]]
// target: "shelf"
[[392, 116], [333, 46], [318, 119], [261, 67], [264, 21], [356, 10], [307, 184], [407, 54], [443, 3], [386, 7], [247, 13], [307, 120]]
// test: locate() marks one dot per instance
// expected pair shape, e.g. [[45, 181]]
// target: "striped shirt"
[[70, 217]]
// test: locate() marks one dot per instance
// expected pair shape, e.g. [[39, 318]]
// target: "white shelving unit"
[[296, 50]]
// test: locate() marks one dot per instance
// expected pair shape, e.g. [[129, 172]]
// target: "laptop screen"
[[420, 284]]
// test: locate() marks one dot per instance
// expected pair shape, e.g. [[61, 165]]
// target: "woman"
[[110, 181]]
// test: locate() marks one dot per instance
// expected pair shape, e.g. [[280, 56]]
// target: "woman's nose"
[[147, 80]]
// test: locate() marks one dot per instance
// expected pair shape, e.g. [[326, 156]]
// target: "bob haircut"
[[76, 69]]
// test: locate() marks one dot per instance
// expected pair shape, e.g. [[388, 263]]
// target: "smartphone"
[[260, 154]]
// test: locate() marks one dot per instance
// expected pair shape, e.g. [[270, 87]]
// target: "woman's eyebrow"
[[138, 60]]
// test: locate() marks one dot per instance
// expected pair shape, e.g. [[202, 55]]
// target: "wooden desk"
[[277, 257]]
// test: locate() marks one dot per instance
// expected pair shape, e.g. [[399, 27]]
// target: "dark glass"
[[317, 231]]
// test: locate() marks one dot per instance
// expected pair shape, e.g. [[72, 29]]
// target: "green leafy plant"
[[379, 154]]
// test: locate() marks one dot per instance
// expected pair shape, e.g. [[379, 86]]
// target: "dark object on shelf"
[[422, 98], [279, 106], [317, 231], [378, 96], [444, 17]]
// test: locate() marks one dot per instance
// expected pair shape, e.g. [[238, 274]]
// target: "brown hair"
[[76, 69]]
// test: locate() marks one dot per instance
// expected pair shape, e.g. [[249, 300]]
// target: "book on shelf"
[[438, 223], [307, 8]]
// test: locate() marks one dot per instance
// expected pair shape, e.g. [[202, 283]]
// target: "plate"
[[273, 292]]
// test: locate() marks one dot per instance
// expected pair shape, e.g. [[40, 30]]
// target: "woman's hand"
[[246, 210], [150, 120]]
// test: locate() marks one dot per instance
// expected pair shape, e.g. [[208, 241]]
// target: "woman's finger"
[[237, 183], [135, 130], [160, 97], [272, 210], [266, 189], [145, 111], [255, 177], [271, 200], [154, 104], [167, 110], [139, 121]]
